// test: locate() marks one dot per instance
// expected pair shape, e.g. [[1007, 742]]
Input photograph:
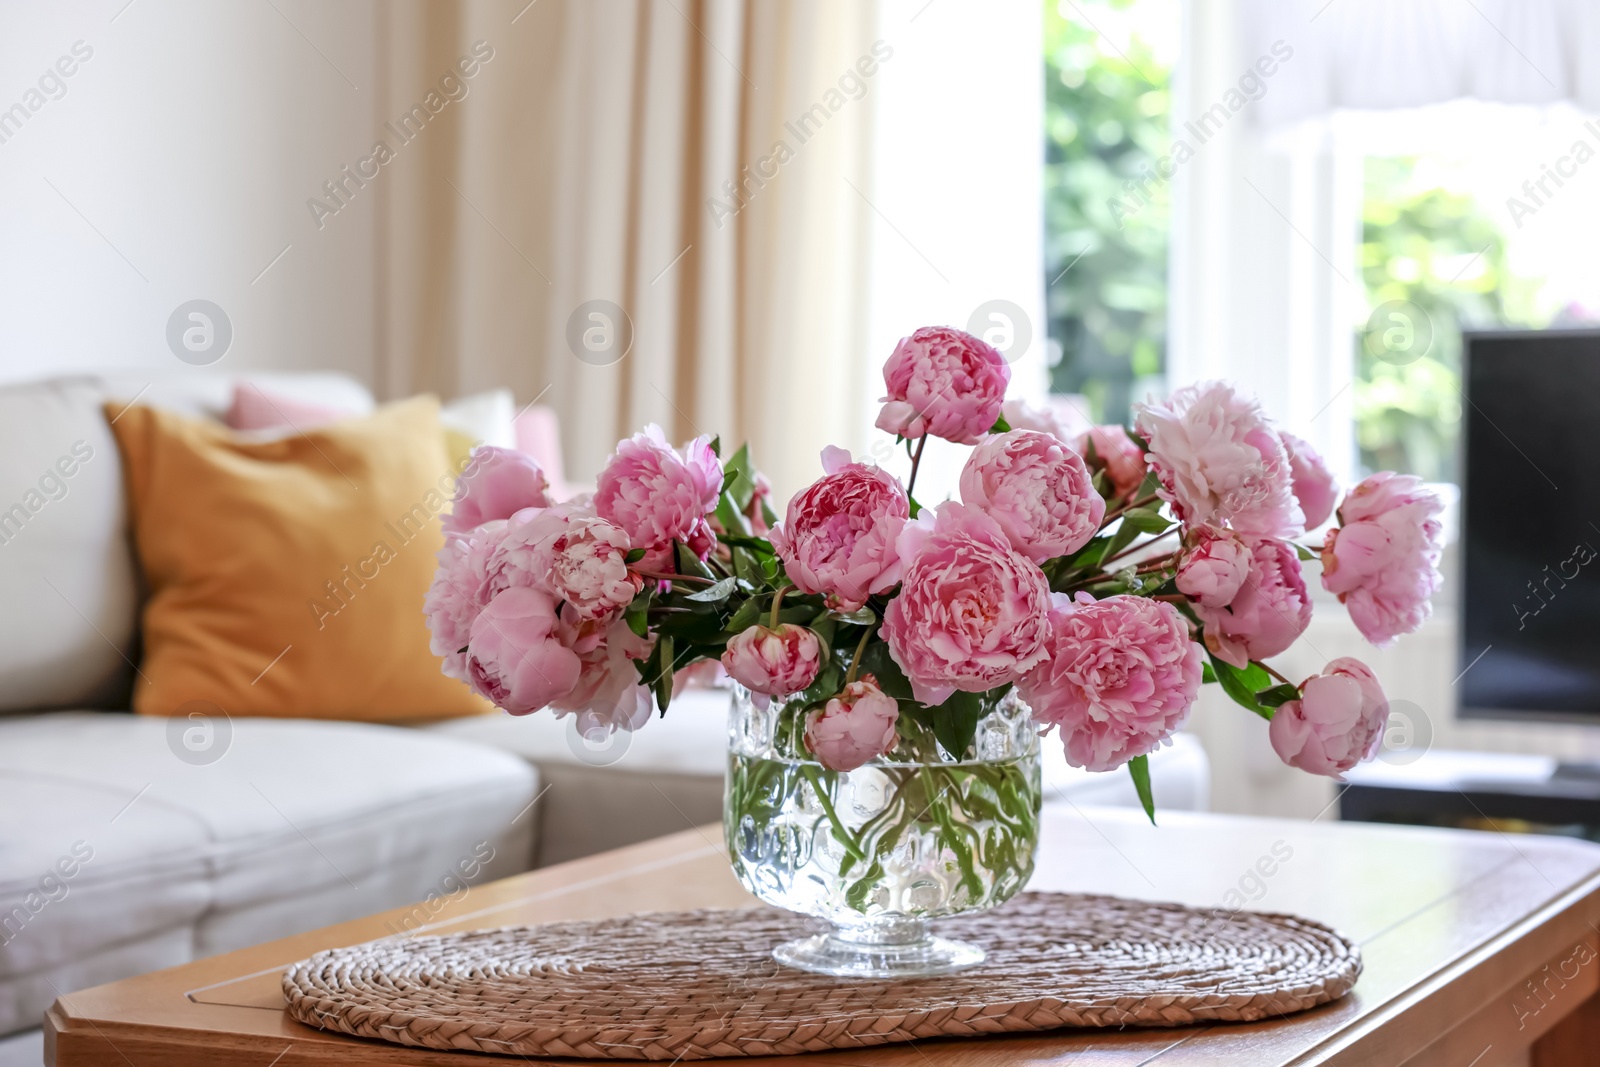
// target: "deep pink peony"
[[855, 727], [498, 483], [1383, 559], [576, 556], [1337, 723], [1314, 485], [838, 538], [514, 657], [972, 611], [1267, 615], [608, 696], [1119, 678], [773, 662], [1037, 489], [459, 592], [658, 496], [1220, 461], [1214, 565], [944, 382], [1114, 452], [1063, 423]]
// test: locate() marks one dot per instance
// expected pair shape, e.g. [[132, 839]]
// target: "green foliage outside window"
[[1106, 123], [1442, 252]]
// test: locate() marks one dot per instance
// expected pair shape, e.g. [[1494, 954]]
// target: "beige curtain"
[[590, 160]]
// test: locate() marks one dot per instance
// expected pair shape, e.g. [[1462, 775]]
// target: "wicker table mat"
[[699, 984]]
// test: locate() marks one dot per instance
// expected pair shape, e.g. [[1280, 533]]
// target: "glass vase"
[[917, 834]]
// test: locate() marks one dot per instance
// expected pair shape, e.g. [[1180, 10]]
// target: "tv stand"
[[1478, 790]]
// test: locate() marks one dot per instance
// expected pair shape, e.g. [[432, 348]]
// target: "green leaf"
[[1126, 534], [877, 662], [862, 616], [729, 517], [825, 685], [1207, 675], [915, 507], [955, 722], [716, 446], [1278, 695], [1305, 554], [689, 563], [739, 478], [1000, 425], [1243, 685], [662, 683], [1139, 770], [748, 614], [634, 555], [715, 594], [1146, 520]]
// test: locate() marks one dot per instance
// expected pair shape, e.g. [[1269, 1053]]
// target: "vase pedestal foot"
[[884, 948]]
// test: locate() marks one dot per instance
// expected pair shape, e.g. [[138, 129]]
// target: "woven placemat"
[[700, 984]]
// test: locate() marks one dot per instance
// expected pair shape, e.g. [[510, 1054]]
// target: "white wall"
[[176, 166]]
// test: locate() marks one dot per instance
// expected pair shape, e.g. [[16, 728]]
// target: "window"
[[1108, 66]]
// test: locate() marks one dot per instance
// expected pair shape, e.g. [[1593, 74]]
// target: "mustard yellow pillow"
[[286, 576]]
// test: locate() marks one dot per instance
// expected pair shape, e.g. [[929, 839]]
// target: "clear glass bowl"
[[915, 835]]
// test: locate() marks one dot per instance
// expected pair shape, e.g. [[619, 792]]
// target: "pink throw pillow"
[[255, 409]]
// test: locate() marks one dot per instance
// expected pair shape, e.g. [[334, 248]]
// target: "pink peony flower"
[[573, 554], [944, 382], [1220, 461], [1267, 615], [1313, 483], [855, 727], [498, 483], [608, 696], [514, 657], [459, 592], [755, 513], [1115, 453], [1118, 679], [1383, 559], [658, 496], [1337, 723], [1214, 566], [1037, 489], [773, 662], [972, 611], [1063, 423], [838, 537]]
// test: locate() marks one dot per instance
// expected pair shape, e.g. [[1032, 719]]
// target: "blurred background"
[[719, 215]]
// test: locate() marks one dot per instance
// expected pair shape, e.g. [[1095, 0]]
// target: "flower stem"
[[916, 461], [777, 601], [660, 577], [861, 646], [1140, 545], [1274, 673], [840, 834]]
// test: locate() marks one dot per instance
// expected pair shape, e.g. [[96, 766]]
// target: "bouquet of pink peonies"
[[1104, 578]]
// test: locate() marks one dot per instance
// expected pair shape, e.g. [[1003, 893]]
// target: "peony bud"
[[1337, 723], [1214, 567], [855, 727], [773, 662]]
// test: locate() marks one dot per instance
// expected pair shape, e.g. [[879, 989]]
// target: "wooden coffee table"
[[1480, 949]]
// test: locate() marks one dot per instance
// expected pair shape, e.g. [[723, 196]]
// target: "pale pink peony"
[[498, 483], [1220, 461], [944, 382], [838, 538], [658, 496], [575, 555], [1037, 489], [1337, 723], [1114, 452], [1383, 559], [608, 696], [458, 593], [1119, 677], [855, 727], [972, 611], [1214, 566], [1063, 423], [1314, 485], [773, 662], [514, 657], [1267, 615]]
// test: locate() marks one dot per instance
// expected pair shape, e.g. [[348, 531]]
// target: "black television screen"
[[1530, 603]]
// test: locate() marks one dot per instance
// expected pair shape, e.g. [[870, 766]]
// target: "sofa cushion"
[[287, 575], [134, 843], [66, 568]]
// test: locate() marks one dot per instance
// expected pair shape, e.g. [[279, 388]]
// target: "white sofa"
[[130, 843]]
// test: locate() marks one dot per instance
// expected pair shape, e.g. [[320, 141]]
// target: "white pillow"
[[488, 418]]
